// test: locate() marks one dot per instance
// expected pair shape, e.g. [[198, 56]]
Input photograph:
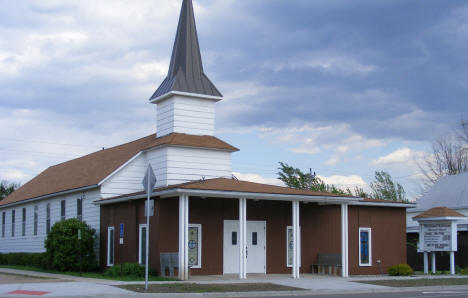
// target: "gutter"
[[49, 196], [399, 205], [231, 194]]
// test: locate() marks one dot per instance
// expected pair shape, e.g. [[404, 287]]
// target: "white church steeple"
[[185, 99]]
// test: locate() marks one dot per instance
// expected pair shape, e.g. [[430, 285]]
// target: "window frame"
[[63, 210], [13, 223], [287, 247], [23, 222], [369, 232], [109, 230], [79, 208], [3, 223], [199, 261], [36, 219], [141, 227], [47, 218]]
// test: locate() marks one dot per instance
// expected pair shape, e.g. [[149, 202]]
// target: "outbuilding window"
[[110, 246], [365, 247], [289, 246], [194, 245], [142, 244]]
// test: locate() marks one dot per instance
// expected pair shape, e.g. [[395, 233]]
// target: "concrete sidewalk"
[[71, 286]]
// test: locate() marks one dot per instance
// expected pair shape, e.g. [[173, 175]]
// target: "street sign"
[[149, 181]]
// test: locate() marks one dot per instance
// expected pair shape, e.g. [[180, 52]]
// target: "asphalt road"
[[418, 294]]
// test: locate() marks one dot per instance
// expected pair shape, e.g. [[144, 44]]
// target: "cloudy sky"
[[343, 87]]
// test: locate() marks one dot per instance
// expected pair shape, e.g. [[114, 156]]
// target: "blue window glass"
[[364, 236]]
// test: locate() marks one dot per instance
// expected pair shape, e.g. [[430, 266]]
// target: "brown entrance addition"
[[320, 232]]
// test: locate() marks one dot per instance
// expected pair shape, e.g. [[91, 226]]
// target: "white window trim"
[[109, 229], [199, 226], [287, 247], [139, 242], [369, 231]]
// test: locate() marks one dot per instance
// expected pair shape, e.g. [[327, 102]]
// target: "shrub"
[[23, 259], [400, 270], [63, 247], [126, 269]]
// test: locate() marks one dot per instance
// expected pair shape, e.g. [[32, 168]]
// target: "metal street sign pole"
[[148, 183]]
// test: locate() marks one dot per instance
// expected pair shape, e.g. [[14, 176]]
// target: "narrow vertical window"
[[254, 238], [290, 244], [142, 250], [48, 218], [194, 245], [365, 247], [23, 226], [110, 246], [79, 209], [3, 224], [36, 219], [12, 223], [234, 238], [62, 210]]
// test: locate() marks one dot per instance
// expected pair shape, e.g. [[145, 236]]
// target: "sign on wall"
[[437, 237]]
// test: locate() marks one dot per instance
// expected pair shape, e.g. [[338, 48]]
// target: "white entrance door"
[[256, 247]]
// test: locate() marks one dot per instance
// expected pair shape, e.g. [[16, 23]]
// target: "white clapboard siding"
[[32, 243], [171, 165], [186, 115], [188, 164]]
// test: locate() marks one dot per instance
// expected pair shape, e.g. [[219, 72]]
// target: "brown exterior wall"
[[388, 237], [320, 232]]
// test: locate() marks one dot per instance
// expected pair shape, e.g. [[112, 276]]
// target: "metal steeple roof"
[[186, 68]]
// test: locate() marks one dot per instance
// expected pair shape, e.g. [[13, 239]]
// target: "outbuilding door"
[[256, 247]]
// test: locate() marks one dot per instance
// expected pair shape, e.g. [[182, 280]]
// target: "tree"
[[449, 156], [7, 188], [384, 188], [295, 178]]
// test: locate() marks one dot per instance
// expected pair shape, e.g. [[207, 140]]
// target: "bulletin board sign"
[[438, 236]]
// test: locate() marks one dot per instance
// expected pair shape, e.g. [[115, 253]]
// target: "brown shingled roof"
[[234, 185], [439, 212], [89, 170]]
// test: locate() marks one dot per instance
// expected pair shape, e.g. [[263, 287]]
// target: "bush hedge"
[[63, 248], [400, 270], [24, 259], [126, 269]]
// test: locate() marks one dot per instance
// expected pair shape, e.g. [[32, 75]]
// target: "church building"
[[212, 223]]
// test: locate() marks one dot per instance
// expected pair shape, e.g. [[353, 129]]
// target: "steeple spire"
[[186, 68]]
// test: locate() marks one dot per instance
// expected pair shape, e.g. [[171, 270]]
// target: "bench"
[[168, 260], [327, 260]]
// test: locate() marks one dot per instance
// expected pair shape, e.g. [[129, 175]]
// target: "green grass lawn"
[[208, 288], [422, 282], [89, 274]]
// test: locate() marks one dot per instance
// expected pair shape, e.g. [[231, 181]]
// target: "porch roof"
[[233, 188]]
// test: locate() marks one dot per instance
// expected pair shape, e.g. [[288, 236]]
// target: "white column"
[[242, 238], [183, 237], [296, 240], [426, 263], [186, 236], [344, 240], [452, 262], [433, 262]]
